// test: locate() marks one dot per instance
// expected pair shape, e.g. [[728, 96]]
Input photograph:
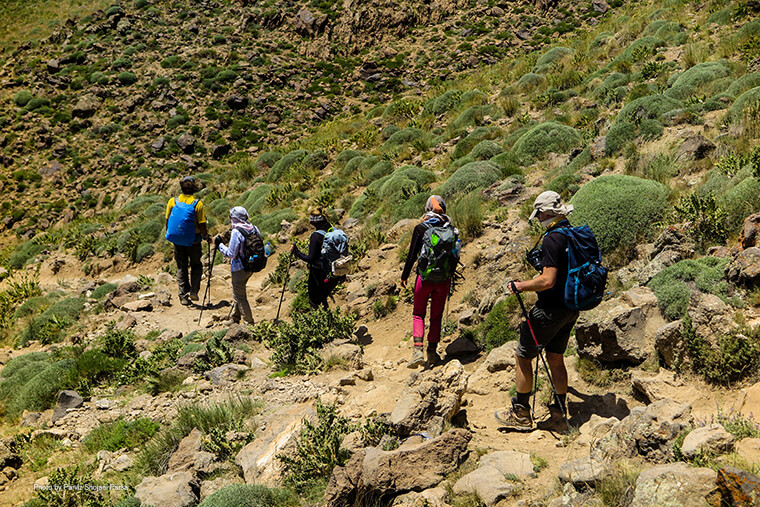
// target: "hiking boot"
[[556, 421], [184, 300], [518, 417], [194, 296], [432, 356], [417, 358]]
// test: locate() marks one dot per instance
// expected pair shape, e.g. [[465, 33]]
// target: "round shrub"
[[473, 176], [31, 383], [743, 84], [103, 290], [388, 131], [126, 78], [474, 115], [530, 82], [744, 101], [553, 55], [474, 98], [443, 103], [721, 17], [270, 223], [611, 82], [485, 150], [740, 201], [267, 160], [285, 163], [379, 169], [37, 103], [143, 251], [255, 199], [508, 164], [390, 191], [548, 137], [408, 135], [253, 495], [316, 161], [649, 43], [619, 209], [22, 98], [467, 143], [692, 80]]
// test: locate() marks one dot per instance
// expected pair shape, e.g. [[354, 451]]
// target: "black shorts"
[[552, 329]]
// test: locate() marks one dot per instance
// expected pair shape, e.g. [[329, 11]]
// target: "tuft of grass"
[[618, 487], [119, 434], [467, 214]]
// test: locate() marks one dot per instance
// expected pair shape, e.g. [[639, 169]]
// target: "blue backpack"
[[334, 258], [180, 228], [586, 277]]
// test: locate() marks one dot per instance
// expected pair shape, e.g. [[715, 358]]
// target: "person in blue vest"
[[320, 283], [550, 319], [186, 228]]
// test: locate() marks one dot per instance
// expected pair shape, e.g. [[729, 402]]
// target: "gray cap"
[[550, 202]]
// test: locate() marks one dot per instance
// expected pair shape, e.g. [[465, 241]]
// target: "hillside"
[[643, 115]]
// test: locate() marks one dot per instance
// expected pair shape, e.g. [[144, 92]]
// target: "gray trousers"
[[241, 308], [188, 257]]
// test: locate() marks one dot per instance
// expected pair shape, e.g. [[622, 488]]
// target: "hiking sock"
[[418, 343], [523, 399]]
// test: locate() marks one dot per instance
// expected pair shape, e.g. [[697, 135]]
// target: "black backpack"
[[438, 257], [253, 258]]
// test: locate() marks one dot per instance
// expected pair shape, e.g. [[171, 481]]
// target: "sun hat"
[[550, 202]]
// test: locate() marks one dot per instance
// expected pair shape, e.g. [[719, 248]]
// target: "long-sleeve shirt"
[[414, 248], [315, 248], [235, 250]]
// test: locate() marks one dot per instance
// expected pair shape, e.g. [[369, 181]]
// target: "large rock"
[[509, 462], [738, 487], [258, 459], [646, 431], [501, 358], [750, 235], [620, 330], [655, 387], [710, 439], [487, 482], [744, 269], [670, 345], [711, 317], [595, 428], [430, 399], [695, 147], [226, 373], [462, 346], [190, 455], [67, 399], [85, 107], [373, 474], [178, 489], [674, 484], [305, 23], [348, 353], [584, 472]]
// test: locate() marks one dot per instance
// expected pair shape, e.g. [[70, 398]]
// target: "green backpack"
[[438, 257]]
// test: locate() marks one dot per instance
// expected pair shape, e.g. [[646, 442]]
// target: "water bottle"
[[457, 248], [267, 249]]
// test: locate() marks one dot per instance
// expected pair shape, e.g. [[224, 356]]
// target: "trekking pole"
[[284, 284], [540, 354], [207, 293]]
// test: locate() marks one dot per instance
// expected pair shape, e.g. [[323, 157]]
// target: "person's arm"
[[552, 246], [315, 248], [200, 219], [414, 251], [236, 241], [169, 206], [544, 281]]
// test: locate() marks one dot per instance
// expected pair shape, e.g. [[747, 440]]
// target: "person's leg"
[[181, 257], [524, 378], [239, 294], [196, 269], [313, 289], [419, 309], [439, 292], [558, 370], [328, 288]]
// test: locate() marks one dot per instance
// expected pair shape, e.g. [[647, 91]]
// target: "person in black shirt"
[[550, 319], [320, 284]]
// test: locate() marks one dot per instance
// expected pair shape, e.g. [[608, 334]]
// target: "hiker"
[[185, 228], [551, 320], [436, 291], [241, 228], [320, 283]]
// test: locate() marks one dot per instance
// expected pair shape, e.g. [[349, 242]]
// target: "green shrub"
[[144, 250], [31, 382], [674, 285], [37, 103], [508, 163], [611, 82], [386, 193], [706, 219], [694, 79], [721, 17], [553, 55], [267, 160], [498, 328], [255, 199], [270, 223], [530, 82], [286, 163], [743, 84], [250, 495], [549, 137], [619, 209], [410, 135], [51, 324], [118, 342], [103, 290], [486, 150], [444, 103], [218, 352], [473, 176], [23, 254], [126, 78], [315, 161], [467, 214], [744, 102], [739, 202], [22, 98], [474, 115], [639, 49], [640, 116], [61, 494], [92, 368], [119, 434], [735, 357], [344, 156], [318, 449], [468, 143]]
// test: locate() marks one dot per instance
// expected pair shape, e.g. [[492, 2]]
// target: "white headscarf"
[[239, 218]]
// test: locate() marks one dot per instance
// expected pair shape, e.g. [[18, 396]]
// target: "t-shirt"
[[200, 212], [554, 255]]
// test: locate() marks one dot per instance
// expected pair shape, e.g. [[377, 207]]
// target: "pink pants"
[[437, 294]]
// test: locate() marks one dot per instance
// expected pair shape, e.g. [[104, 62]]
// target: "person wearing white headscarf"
[[235, 251]]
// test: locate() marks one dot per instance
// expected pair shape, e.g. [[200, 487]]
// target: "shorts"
[[552, 328]]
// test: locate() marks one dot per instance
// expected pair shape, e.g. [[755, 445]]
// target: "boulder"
[[67, 399], [462, 346], [595, 428], [86, 106], [349, 353], [509, 462], [226, 373], [306, 23], [373, 473], [8, 458], [186, 143], [695, 147], [190, 455], [621, 329], [138, 306], [738, 487], [237, 102], [177, 489], [711, 317], [750, 231], [237, 332], [501, 358], [710, 439], [220, 150], [571, 497], [433, 497], [430, 399], [674, 484], [647, 431], [487, 482], [600, 6], [655, 387], [669, 344], [744, 269], [258, 459], [584, 472]]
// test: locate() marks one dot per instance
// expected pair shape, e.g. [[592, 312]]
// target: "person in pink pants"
[[424, 291]]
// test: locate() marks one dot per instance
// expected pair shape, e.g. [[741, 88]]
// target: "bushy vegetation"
[[472, 176], [734, 357], [50, 326], [549, 137], [498, 328], [675, 285], [251, 495], [120, 434], [31, 382], [621, 210]]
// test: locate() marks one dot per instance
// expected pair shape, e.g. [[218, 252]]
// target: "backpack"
[[586, 277], [253, 258], [438, 259], [180, 228], [334, 256]]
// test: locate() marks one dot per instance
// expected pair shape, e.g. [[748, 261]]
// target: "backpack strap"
[[323, 233]]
